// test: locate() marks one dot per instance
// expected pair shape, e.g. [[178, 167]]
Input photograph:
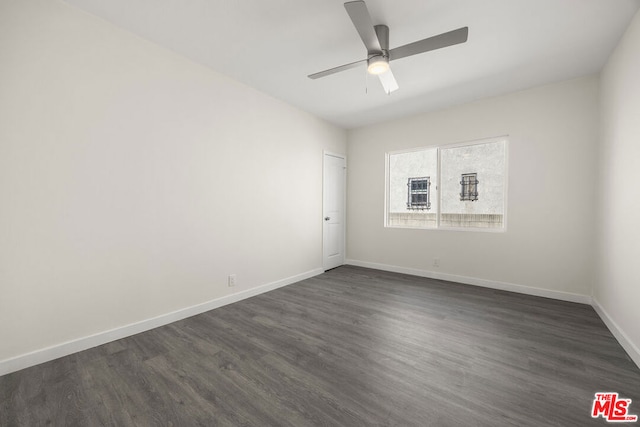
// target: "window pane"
[[458, 208], [412, 196]]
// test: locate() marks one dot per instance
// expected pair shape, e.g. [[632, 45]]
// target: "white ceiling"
[[272, 45]]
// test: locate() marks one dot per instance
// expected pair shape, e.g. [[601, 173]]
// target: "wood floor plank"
[[351, 347]]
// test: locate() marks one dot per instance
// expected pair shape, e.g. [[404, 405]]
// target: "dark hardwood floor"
[[350, 347]]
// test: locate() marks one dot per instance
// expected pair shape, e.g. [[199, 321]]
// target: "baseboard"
[[547, 293], [64, 349], [628, 345]]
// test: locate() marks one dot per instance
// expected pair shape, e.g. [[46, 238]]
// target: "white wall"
[[132, 181], [617, 288], [549, 242]]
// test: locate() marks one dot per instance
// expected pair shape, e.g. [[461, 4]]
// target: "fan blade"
[[336, 69], [388, 81], [432, 43], [361, 19]]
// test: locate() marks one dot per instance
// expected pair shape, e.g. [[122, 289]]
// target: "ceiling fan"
[[376, 40]]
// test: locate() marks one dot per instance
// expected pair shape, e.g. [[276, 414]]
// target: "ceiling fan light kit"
[[376, 40], [377, 64]]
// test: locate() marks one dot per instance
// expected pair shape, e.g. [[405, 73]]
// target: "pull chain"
[[366, 82]]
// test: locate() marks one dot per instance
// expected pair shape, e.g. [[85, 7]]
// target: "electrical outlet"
[[231, 280], [436, 262]]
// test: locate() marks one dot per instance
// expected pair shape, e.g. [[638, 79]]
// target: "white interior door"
[[333, 205]]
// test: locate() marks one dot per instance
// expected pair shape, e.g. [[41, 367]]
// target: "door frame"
[[326, 153]]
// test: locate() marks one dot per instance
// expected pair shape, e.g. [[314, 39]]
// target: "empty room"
[[305, 213]]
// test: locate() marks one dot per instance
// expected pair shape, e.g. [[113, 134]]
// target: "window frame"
[[435, 185]]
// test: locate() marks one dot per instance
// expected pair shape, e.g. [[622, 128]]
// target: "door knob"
[[327, 218]]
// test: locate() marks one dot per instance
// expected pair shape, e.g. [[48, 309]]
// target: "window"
[[469, 189], [411, 201], [418, 193], [432, 187]]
